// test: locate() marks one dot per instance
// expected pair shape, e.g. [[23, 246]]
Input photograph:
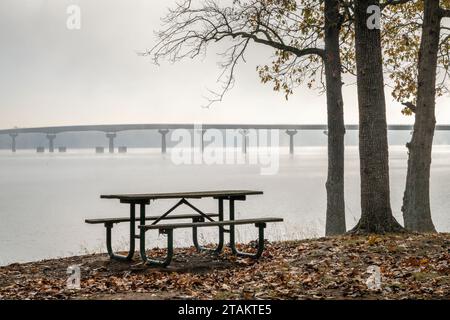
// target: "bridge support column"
[[244, 133], [163, 133], [51, 140], [111, 137], [291, 134], [13, 141], [202, 141]]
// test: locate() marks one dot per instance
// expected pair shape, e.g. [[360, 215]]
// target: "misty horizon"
[[52, 76]]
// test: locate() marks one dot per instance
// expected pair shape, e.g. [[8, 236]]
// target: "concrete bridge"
[[163, 129]]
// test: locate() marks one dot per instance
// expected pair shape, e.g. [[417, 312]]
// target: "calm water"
[[44, 199]]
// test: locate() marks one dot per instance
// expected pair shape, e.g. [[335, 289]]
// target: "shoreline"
[[412, 266]]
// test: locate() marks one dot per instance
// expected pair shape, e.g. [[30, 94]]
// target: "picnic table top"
[[178, 195]]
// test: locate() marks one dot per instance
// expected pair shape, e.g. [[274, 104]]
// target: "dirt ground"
[[412, 266]]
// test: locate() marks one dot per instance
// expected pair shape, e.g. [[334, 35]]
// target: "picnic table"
[[199, 219]]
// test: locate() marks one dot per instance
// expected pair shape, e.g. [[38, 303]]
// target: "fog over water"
[[45, 198]]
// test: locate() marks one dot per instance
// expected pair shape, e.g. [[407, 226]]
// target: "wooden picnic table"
[[224, 194], [199, 219]]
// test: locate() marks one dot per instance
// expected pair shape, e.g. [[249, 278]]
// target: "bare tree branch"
[[189, 31], [280, 46], [411, 106]]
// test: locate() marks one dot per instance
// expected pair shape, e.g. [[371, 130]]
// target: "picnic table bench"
[[199, 219]]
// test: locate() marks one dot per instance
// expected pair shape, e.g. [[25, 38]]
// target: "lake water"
[[44, 198]]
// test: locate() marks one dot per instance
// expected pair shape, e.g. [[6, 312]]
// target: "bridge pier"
[[111, 136], [99, 150], [13, 141], [291, 134], [244, 133], [202, 141], [122, 149], [51, 140], [163, 133]]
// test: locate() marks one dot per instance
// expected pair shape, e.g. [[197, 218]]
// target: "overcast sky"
[[50, 75]]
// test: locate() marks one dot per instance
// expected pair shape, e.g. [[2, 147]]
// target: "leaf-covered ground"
[[412, 267]]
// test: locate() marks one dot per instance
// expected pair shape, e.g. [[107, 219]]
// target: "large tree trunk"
[[376, 213], [335, 220], [416, 200]]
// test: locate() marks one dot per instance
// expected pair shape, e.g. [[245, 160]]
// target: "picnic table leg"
[[260, 243], [221, 232], [195, 235], [147, 260], [109, 226], [221, 229], [232, 230]]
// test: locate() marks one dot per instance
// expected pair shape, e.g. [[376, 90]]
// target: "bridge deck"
[[190, 126]]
